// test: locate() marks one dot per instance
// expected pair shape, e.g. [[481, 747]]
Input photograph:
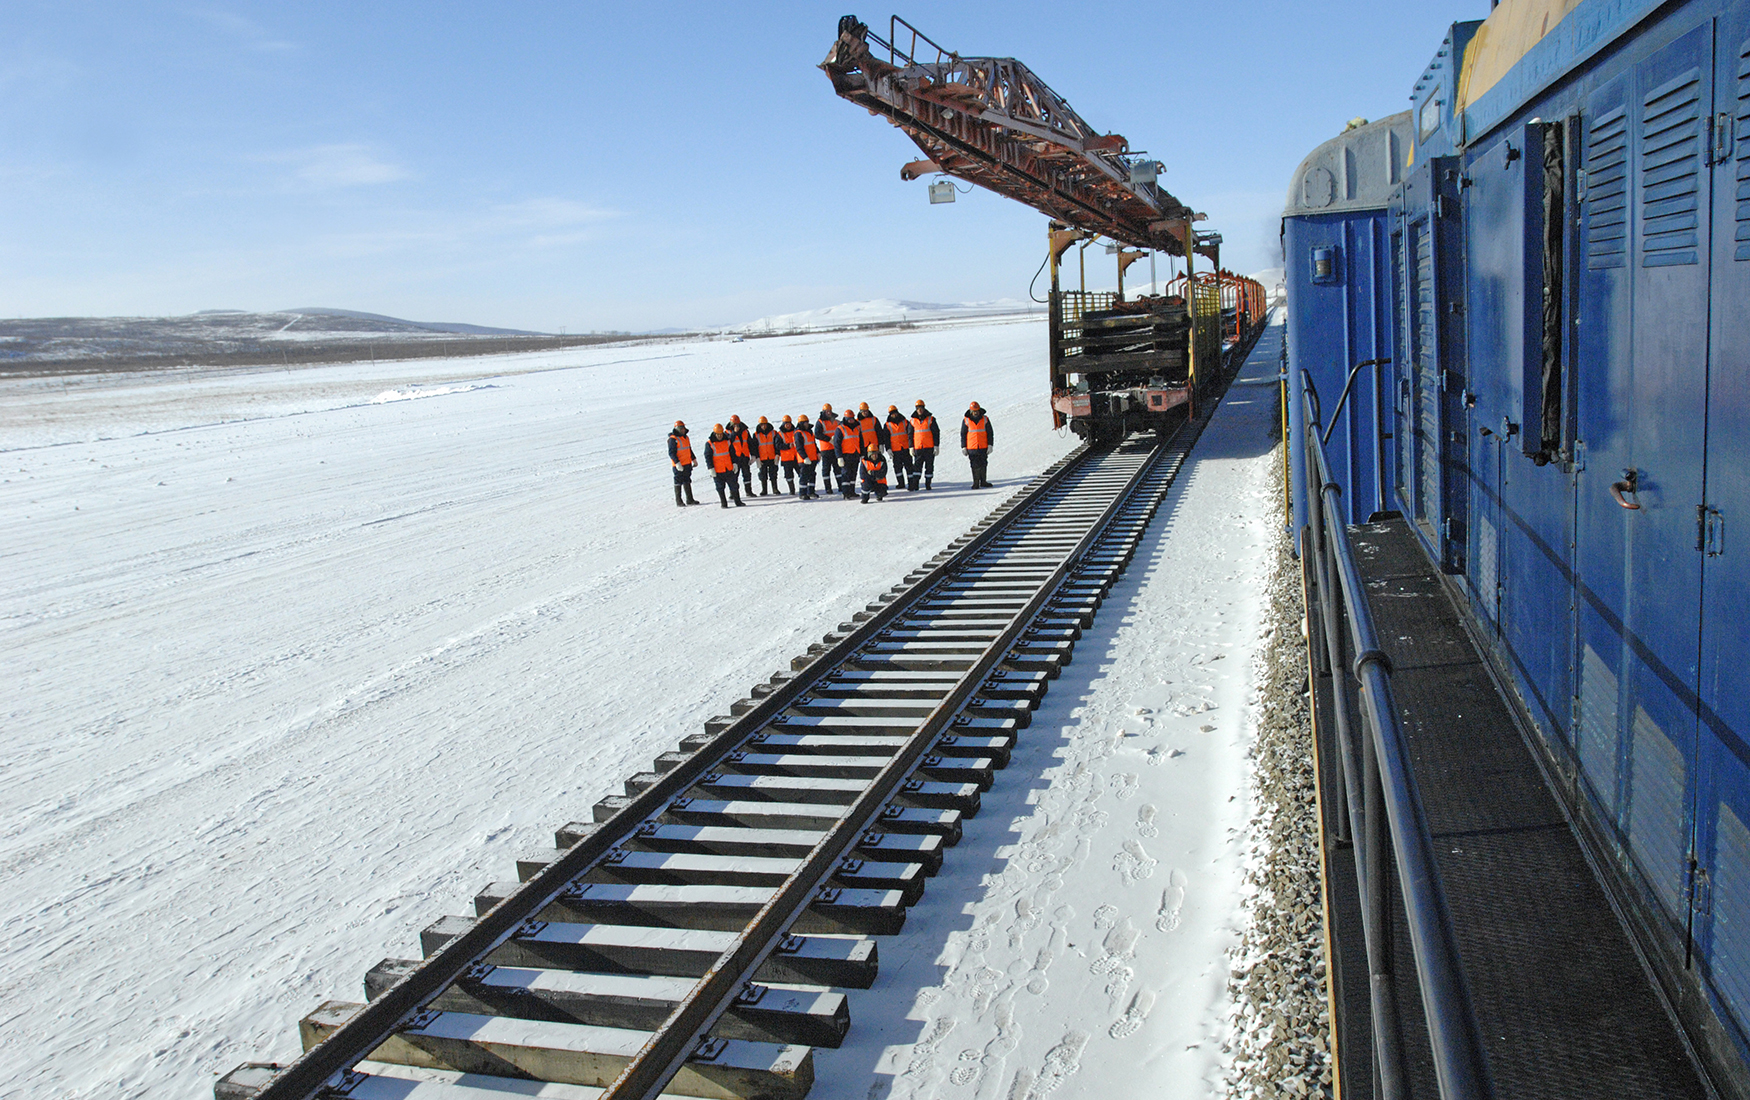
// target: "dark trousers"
[[745, 466], [901, 462], [980, 460], [768, 475], [790, 474], [726, 488], [923, 464], [848, 475], [683, 483], [827, 467], [805, 473]]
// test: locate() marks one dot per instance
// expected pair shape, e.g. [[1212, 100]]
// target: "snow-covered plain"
[[887, 311], [295, 661]]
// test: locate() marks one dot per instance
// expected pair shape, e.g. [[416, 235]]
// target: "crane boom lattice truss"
[[992, 122]]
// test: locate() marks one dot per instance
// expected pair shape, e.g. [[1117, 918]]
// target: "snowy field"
[[298, 660]]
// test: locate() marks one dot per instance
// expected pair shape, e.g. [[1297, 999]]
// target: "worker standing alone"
[[720, 449], [874, 474], [926, 436], [765, 452], [681, 457], [976, 442], [849, 443], [899, 446], [809, 459]]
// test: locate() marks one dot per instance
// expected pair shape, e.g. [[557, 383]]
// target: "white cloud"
[[347, 165]]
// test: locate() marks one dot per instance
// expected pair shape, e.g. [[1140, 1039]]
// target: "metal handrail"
[[1377, 792]]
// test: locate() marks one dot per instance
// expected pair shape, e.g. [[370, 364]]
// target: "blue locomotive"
[[1524, 309]]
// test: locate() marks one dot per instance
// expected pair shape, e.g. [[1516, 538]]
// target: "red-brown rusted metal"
[[992, 122]]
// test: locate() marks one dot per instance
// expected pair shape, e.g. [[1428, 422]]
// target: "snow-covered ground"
[[887, 311], [297, 660]]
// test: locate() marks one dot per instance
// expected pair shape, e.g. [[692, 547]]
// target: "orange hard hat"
[[787, 416], [716, 427], [763, 420], [974, 407], [893, 408], [734, 419], [680, 423], [826, 406], [864, 406], [920, 402]]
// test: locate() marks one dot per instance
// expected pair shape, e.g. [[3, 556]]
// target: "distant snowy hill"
[[884, 311], [397, 324]]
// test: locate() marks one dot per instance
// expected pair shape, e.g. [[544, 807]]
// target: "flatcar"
[[1524, 309]]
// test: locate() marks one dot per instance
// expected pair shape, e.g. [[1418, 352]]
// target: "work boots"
[[679, 503], [691, 499]]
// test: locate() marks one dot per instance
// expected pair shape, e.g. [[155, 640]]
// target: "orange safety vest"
[[767, 442], [722, 455], [977, 434], [788, 454], [738, 441], [922, 438], [810, 446], [877, 469], [867, 425], [899, 435], [850, 441], [683, 450]]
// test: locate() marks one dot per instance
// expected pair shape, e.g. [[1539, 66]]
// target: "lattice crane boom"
[[992, 122]]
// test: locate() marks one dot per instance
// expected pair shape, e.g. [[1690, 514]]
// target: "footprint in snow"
[[1133, 864], [1061, 1062], [1123, 786], [1105, 916], [1129, 1023], [1172, 901], [1145, 821]]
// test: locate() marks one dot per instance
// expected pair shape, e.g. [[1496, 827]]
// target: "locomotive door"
[[1723, 523], [1641, 399], [1431, 425]]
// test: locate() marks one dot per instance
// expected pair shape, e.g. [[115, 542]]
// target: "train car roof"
[[1356, 170]]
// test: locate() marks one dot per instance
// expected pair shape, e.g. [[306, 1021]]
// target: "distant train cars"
[[1524, 306]]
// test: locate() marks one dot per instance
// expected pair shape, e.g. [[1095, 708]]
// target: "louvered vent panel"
[[1743, 138], [1427, 376], [1607, 190], [1671, 172]]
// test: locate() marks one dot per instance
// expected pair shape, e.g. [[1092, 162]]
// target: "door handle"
[[1626, 486]]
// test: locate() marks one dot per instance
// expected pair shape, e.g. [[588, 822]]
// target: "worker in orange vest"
[[926, 436], [681, 457], [720, 452], [874, 474], [872, 434], [789, 454], [848, 442], [739, 438], [824, 430], [765, 446], [976, 442], [807, 457], [898, 430]]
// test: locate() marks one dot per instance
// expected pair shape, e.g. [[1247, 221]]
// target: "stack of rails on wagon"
[[866, 454]]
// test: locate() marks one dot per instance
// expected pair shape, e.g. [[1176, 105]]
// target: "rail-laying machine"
[[1117, 364]]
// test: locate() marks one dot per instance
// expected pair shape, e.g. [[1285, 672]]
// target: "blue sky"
[[607, 166]]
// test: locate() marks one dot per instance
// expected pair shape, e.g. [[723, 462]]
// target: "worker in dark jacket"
[[742, 441], [848, 441], [789, 453], [720, 453], [898, 430], [808, 457], [824, 430], [765, 446], [976, 441], [926, 437], [681, 457], [874, 474]]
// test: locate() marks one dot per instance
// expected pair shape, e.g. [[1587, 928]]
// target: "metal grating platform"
[[1566, 1007]]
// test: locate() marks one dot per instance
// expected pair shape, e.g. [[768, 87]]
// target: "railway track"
[[698, 936]]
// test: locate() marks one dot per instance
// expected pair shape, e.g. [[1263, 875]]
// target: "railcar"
[[1523, 307]]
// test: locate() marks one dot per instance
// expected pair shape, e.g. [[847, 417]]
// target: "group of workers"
[[850, 446]]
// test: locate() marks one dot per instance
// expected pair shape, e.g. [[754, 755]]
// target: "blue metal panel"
[[1725, 555], [1334, 325], [1434, 101]]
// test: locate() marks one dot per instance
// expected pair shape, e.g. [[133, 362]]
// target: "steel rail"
[[326, 1064], [1455, 1038], [663, 1054]]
